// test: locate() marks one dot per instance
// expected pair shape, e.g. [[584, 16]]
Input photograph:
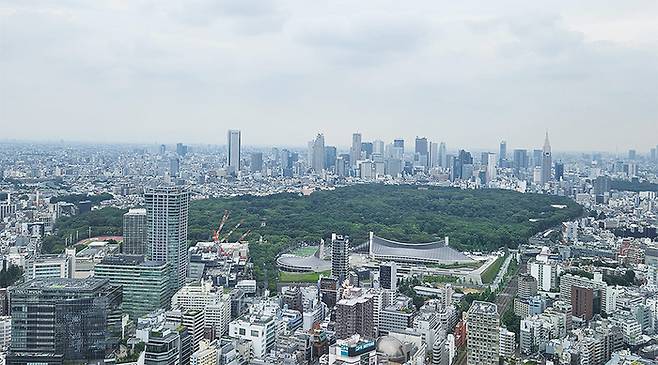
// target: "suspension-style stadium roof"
[[312, 263], [432, 252]]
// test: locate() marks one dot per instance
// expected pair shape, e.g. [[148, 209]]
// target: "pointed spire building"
[[546, 161]]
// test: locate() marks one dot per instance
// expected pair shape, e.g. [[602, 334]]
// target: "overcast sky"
[[466, 72]]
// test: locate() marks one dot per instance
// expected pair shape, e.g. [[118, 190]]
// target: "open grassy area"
[[305, 251], [465, 265], [439, 279], [300, 277], [490, 273]]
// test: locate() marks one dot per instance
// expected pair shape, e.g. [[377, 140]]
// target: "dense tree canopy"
[[481, 220], [625, 185], [10, 275], [474, 219]]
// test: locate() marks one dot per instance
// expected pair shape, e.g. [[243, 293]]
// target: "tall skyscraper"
[[378, 147], [343, 165], [167, 210], [502, 153], [355, 151], [317, 161], [388, 278], [421, 145], [174, 167], [632, 155], [134, 232], [434, 155], [462, 167], [536, 158], [421, 154], [491, 167], [482, 328], [443, 160], [233, 147], [330, 157], [256, 162], [546, 162], [181, 149], [559, 171], [520, 160], [69, 319], [340, 264], [366, 149]]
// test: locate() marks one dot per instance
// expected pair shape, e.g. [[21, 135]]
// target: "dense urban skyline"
[[285, 182], [283, 71], [342, 145]]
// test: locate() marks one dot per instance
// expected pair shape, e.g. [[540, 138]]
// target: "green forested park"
[[106, 221], [624, 185], [481, 220]]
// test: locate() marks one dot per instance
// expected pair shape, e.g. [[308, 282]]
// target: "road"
[[505, 299]]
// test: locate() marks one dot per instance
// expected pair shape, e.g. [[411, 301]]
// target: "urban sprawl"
[[582, 292]]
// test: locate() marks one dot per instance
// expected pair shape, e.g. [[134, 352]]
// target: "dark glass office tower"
[[71, 319]]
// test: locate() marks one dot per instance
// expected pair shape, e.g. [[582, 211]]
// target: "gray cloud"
[[282, 70], [249, 17]]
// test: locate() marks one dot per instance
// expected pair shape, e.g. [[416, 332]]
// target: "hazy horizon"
[[468, 74], [409, 146]]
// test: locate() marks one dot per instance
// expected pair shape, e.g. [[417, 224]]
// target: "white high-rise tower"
[[355, 151], [167, 210], [317, 154], [233, 146]]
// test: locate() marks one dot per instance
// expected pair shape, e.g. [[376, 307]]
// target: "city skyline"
[[346, 147], [460, 73], [248, 182]]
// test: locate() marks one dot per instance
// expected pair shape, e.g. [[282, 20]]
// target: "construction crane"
[[244, 235], [215, 234], [231, 232], [224, 219]]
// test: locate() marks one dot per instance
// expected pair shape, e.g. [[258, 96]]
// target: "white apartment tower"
[[340, 263], [483, 336], [233, 147], [167, 210]]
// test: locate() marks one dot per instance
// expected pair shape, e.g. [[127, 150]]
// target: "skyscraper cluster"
[[375, 159]]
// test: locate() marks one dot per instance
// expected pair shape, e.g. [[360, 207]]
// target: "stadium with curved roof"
[[313, 263], [430, 253]]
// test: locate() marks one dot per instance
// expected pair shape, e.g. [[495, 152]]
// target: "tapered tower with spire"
[[546, 161]]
